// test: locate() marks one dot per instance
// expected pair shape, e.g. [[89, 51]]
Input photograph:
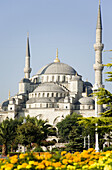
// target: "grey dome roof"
[[25, 80], [39, 100], [48, 87], [87, 83], [86, 101], [57, 68], [5, 103]]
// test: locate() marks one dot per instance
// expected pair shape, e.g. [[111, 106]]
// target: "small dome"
[[39, 100], [5, 103], [57, 68], [24, 80], [48, 87], [86, 101], [88, 84]]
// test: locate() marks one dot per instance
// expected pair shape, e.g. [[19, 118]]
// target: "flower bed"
[[88, 159]]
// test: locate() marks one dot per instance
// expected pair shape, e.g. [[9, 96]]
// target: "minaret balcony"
[[98, 47], [98, 66], [27, 70]]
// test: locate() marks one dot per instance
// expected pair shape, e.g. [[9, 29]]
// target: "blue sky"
[[69, 25]]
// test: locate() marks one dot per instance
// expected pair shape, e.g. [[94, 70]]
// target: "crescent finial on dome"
[[57, 59]]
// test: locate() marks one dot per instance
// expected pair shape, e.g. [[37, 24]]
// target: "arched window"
[[52, 78], [47, 78]]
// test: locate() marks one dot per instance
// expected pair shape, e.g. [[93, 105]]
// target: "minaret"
[[27, 69], [98, 46]]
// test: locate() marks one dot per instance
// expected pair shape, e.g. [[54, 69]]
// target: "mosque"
[[56, 90]]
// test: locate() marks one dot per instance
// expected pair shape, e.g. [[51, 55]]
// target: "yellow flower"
[[28, 166], [50, 167], [85, 167], [8, 168], [21, 156], [24, 165], [47, 163], [35, 163], [40, 166], [63, 166], [107, 167], [64, 161], [13, 161], [70, 167], [19, 167], [56, 164], [63, 153], [31, 162]]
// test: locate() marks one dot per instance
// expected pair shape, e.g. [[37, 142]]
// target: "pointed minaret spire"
[[27, 69], [27, 46], [99, 21], [98, 46]]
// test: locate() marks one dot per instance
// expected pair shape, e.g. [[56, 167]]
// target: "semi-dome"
[[57, 68], [48, 87], [86, 101]]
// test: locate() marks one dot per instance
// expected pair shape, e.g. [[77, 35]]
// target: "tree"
[[104, 96], [43, 125], [104, 122], [28, 133], [8, 133], [69, 131], [75, 140], [33, 131]]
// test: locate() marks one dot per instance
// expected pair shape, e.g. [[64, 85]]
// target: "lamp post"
[[95, 88]]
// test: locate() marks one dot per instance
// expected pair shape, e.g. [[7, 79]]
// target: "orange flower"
[[63, 153], [40, 166], [56, 164], [65, 161]]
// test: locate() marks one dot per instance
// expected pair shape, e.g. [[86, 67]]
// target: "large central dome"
[[57, 68]]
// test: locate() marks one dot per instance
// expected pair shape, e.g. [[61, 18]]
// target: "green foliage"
[[8, 133], [66, 125], [23, 132], [107, 149], [38, 149], [105, 97], [71, 132], [28, 133], [109, 72], [75, 140], [44, 127]]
